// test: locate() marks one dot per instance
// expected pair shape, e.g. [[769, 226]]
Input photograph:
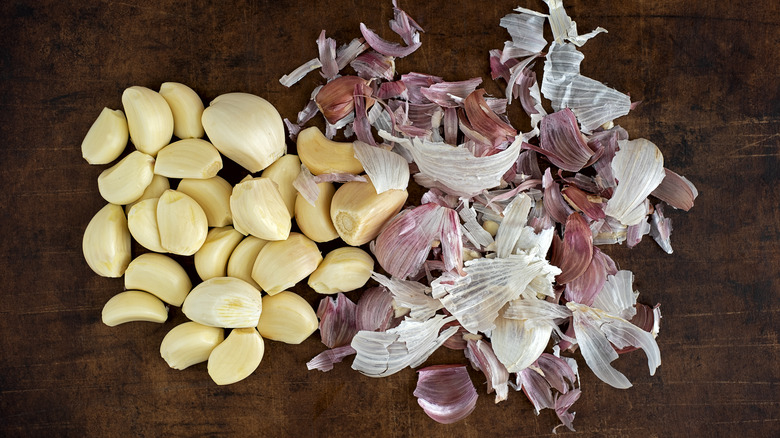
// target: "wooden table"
[[707, 75]]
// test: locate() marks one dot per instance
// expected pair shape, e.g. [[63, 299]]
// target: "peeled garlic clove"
[[182, 223], [258, 209], [149, 119], [314, 220], [212, 258], [282, 264], [186, 108], [106, 242], [126, 181], [283, 172], [159, 275], [106, 138], [190, 343], [321, 155], [224, 302], [189, 158], [142, 223], [358, 212], [237, 357], [342, 270], [243, 259], [134, 305], [155, 189], [213, 195], [287, 318], [245, 128]]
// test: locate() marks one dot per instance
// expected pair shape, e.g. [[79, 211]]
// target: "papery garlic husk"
[[224, 302], [243, 259], [127, 180], [358, 212], [283, 172], [342, 270], [189, 158], [321, 155], [149, 119], [638, 167], [186, 108], [287, 317], [106, 138], [282, 264], [314, 220], [212, 258], [258, 209], [213, 195], [134, 305], [190, 343], [182, 223], [106, 242], [245, 128], [159, 275], [155, 189], [237, 357], [142, 223]]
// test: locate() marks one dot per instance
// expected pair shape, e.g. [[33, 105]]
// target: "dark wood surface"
[[706, 71]]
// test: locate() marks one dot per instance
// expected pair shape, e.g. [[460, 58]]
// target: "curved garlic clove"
[[106, 242], [106, 138], [134, 305], [258, 209], [212, 258], [213, 195], [321, 155], [188, 158], [342, 270], [155, 189], [243, 259], [182, 223], [190, 343], [283, 172], [287, 317], [314, 220], [186, 108], [159, 275], [142, 223], [126, 181], [281, 265], [149, 119], [358, 212], [237, 357], [224, 302]]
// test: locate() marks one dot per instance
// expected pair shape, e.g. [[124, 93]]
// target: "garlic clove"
[[258, 209], [321, 155], [155, 188], [224, 302], [314, 220], [106, 138], [106, 242], [189, 158], [159, 275], [127, 180], [142, 223], [342, 270], [134, 305], [282, 264], [237, 357], [186, 108], [190, 343], [213, 195], [212, 258], [358, 212], [149, 119], [182, 223], [243, 259], [335, 99], [287, 317], [283, 172]]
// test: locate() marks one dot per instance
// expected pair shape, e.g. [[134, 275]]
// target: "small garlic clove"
[[314, 220], [213, 195], [212, 258], [106, 242], [149, 119], [106, 138], [287, 317], [237, 357], [190, 343], [186, 108], [182, 223], [189, 158], [283, 172], [134, 305], [342, 270], [258, 209], [282, 264], [159, 275], [155, 189], [224, 302], [358, 212], [243, 259], [491, 227], [336, 100], [321, 155], [142, 223], [127, 180]]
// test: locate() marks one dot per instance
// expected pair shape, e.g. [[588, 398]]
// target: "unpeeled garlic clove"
[[186, 108], [155, 189], [212, 258], [224, 302], [134, 305], [142, 223], [213, 195], [190, 343], [336, 100], [159, 275], [243, 259], [126, 181], [342, 270], [182, 223], [287, 318], [314, 220], [237, 357], [321, 155], [106, 242], [188, 158], [282, 264], [258, 209], [283, 172], [106, 138], [358, 212], [149, 119]]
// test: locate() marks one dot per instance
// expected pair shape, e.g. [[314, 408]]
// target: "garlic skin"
[[127, 180], [245, 128], [287, 317], [321, 155], [237, 357], [281, 265], [134, 305], [106, 138], [314, 220], [106, 242], [189, 158], [224, 302], [142, 223], [212, 258], [342, 270], [149, 119], [213, 195], [186, 108], [258, 209], [155, 189], [189, 343], [159, 275], [358, 212], [243, 259], [283, 172], [182, 223]]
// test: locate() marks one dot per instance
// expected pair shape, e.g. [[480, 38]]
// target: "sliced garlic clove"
[[142, 223], [106, 242], [314, 220], [283, 172], [213, 195], [358, 212], [237, 357], [189, 158], [149, 119], [155, 189], [321, 155], [342, 270], [224, 302], [134, 305], [281, 265], [106, 138], [212, 258], [243, 259], [159, 275], [127, 180], [287, 317], [258, 209], [190, 343], [182, 223], [186, 108]]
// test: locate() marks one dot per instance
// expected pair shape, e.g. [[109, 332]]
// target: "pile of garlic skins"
[[240, 236]]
